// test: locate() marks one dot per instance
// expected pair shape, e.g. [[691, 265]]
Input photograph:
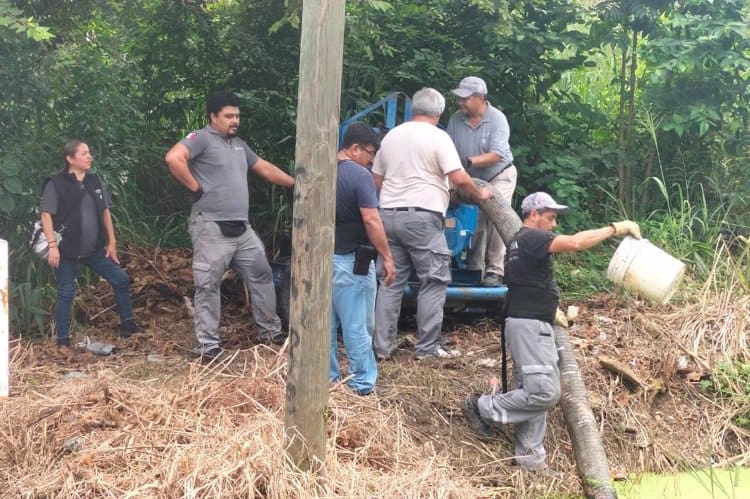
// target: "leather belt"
[[413, 208]]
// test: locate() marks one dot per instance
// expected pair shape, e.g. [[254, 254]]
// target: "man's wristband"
[[468, 162]]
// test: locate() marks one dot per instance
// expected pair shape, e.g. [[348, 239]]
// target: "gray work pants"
[[417, 242], [487, 247], [212, 254], [537, 377]]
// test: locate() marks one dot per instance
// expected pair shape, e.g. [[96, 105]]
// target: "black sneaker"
[[210, 355], [129, 328], [482, 429]]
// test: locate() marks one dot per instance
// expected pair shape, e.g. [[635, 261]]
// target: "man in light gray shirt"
[[213, 164], [481, 133], [412, 168]]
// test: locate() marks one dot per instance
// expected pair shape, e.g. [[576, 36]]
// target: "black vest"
[[532, 290], [67, 220]]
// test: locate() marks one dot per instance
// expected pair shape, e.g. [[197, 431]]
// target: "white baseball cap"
[[541, 201], [469, 86]]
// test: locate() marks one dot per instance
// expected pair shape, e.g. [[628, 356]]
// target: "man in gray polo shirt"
[[213, 164], [480, 133]]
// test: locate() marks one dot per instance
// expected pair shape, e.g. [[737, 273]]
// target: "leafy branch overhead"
[[14, 20]]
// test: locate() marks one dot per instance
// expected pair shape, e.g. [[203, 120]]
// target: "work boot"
[[277, 339], [492, 280], [482, 429], [129, 328], [63, 342], [210, 355]]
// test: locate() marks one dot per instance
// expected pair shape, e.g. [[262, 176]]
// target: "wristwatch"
[[468, 162]]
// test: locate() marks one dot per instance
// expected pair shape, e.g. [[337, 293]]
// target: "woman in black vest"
[[76, 203]]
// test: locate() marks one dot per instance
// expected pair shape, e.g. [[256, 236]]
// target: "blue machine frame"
[[390, 106]]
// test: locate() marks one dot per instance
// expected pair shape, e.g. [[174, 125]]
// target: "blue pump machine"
[[465, 292]]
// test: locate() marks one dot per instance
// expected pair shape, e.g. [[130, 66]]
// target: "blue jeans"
[[353, 309], [65, 274]]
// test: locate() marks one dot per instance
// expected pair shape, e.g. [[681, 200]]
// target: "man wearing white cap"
[[481, 133], [532, 303]]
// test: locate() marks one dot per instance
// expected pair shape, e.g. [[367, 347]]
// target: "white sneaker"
[[440, 353]]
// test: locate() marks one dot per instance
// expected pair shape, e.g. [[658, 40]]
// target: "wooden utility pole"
[[318, 109]]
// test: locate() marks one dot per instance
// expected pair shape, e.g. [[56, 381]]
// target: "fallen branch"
[[591, 459], [622, 370]]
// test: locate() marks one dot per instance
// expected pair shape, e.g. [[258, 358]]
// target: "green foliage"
[[11, 185], [583, 275], [731, 383], [28, 310], [699, 75], [31, 297], [130, 78], [13, 19]]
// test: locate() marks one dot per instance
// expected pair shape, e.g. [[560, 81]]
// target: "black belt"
[[413, 208]]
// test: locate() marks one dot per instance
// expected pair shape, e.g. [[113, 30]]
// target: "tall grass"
[[687, 229], [32, 291], [149, 208]]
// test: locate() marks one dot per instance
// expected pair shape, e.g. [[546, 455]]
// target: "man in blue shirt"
[[359, 234]]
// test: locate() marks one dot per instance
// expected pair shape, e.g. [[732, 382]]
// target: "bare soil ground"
[[149, 421]]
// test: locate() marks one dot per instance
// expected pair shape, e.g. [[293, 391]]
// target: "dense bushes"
[[601, 101]]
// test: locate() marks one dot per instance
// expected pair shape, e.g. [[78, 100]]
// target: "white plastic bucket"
[[642, 268]]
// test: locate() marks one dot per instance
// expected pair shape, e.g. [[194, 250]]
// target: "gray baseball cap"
[[469, 86], [541, 201]]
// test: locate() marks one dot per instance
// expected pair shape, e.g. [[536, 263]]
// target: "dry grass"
[[198, 432], [150, 422]]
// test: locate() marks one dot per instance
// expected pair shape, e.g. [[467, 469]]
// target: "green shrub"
[[731, 383]]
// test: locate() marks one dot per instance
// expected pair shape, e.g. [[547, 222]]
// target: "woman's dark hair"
[[219, 100], [70, 149]]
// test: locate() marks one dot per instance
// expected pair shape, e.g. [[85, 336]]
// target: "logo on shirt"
[[191, 135], [98, 193], [238, 148]]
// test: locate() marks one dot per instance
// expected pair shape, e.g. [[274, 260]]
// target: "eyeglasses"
[[371, 152]]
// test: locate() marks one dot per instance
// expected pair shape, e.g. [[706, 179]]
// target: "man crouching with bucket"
[[531, 311]]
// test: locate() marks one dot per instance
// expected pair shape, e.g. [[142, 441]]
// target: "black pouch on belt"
[[232, 228], [362, 258]]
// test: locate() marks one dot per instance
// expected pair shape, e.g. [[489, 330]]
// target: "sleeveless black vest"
[[67, 220]]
